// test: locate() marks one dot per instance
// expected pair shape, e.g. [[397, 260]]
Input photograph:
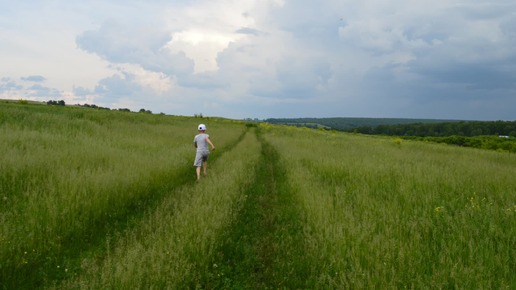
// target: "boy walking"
[[201, 142]]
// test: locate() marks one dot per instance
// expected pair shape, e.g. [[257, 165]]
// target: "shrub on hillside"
[[56, 103]]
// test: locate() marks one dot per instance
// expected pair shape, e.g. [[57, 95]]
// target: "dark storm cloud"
[[135, 44]]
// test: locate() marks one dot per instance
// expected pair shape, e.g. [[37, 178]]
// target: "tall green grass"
[[70, 176], [95, 199], [172, 247], [388, 214]]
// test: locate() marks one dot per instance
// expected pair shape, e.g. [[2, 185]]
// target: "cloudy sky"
[[439, 59]]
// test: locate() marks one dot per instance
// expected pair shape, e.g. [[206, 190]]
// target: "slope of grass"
[[108, 200], [172, 246], [385, 214], [71, 176]]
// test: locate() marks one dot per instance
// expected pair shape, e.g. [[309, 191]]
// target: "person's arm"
[[209, 142]]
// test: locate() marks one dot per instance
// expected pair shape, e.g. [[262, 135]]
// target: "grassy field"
[[96, 199], [380, 213]]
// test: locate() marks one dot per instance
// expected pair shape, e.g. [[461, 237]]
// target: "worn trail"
[[264, 246], [93, 238]]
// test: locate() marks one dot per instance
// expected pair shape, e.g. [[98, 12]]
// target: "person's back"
[[202, 144]]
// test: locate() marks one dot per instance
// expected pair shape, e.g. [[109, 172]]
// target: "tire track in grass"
[[94, 237], [264, 246], [172, 245]]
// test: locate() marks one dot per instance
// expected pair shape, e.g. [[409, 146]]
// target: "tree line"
[[348, 123], [461, 128], [93, 106]]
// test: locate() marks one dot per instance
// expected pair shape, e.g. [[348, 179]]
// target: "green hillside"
[[102, 199]]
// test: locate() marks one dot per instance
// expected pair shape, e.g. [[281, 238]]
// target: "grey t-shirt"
[[202, 144]]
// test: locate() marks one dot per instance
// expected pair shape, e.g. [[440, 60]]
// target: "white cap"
[[202, 127]]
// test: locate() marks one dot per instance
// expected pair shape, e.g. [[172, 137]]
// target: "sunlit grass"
[[172, 247], [67, 173], [391, 214], [108, 200]]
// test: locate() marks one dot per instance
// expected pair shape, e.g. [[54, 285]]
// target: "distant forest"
[[406, 127], [462, 128], [346, 124]]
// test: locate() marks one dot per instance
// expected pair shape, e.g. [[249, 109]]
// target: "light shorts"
[[200, 157]]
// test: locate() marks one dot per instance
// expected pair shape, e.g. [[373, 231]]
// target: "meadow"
[[96, 199]]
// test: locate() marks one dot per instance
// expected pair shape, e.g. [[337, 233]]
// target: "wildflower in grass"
[[473, 202], [476, 203], [439, 209]]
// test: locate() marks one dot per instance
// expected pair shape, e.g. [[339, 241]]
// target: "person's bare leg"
[[198, 171], [205, 167]]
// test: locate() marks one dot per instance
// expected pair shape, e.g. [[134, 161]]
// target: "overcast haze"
[[439, 59]]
